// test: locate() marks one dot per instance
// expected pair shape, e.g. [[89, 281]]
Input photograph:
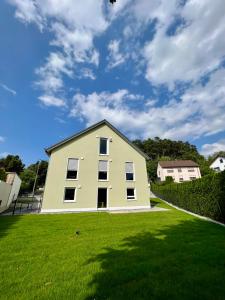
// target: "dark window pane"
[[130, 192], [129, 176], [102, 175], [71, 175], [69, 194], [103, 146], [221, 160]]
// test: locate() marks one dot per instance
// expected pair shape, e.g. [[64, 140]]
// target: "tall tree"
[[12, 163]]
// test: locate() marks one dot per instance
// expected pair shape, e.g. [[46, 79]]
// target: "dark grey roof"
[[177, 163], [103, 122]]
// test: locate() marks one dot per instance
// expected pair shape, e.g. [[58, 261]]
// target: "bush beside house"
[[205, 196]]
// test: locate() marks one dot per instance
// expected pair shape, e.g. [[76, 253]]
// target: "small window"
[[130, 194], [72, 168], [69, 194], [221, 160], [191, 170], [170, 171], [181, 179], [179, 170], [192, 178], [0, 202], [103, 149], [129, 169], [103, 170]]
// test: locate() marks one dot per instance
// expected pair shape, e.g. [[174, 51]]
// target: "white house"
[[218, 164], [179, 170], [9, 190]]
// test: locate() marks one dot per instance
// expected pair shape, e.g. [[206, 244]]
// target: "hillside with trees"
[[165, 149]]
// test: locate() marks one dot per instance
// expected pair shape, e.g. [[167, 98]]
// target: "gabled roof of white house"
[[177, 163], [217, 157], [79, 134]]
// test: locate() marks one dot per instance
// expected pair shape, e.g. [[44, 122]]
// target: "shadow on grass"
[[185, 261], [6, 222]]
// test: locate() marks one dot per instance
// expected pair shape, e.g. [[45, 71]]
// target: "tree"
[[2, 174], [12, 163], [27, 177], [41, 172]]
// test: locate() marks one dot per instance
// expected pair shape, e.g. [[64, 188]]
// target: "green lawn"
[[159, 255]]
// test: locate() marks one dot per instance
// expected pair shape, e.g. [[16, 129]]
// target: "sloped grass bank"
[[160, 255]]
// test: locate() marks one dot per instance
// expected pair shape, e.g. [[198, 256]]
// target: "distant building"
[[179, 170], [218, 164], [9, 190]]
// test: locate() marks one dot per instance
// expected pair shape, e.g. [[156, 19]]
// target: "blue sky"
[[150, 67]]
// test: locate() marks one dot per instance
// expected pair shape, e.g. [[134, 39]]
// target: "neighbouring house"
[[9, 190], [218, 164], [96, 169], [179, 170]]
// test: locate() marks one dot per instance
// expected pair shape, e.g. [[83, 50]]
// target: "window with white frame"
[[103, 146], [179, 170], [69, 194], [170, 171], [131, 194], [72, 168], [191, 170], [129, 169], [192, 178], [103, 170], [181, 179]]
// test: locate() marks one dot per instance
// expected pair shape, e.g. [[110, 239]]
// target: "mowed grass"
[[158, 255]]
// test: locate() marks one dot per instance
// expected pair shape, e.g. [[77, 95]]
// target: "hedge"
[[204, 196]]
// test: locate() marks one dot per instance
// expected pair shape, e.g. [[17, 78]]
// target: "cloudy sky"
[[150, 67]]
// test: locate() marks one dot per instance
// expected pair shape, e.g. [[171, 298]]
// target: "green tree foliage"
[[28, 176], [204, 196], [165, 149], [12, 163], [2, 174], [41, 172]]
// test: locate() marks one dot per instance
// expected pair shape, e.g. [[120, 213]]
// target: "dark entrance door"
[[102, 198]]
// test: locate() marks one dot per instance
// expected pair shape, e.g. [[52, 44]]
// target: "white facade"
[[179, 174], [219, 164], [9, 190]]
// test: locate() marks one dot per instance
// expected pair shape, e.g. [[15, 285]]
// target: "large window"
[[131, 195], [103, 170], [103, 147], [72, 168], [129, 169], [69, 194]]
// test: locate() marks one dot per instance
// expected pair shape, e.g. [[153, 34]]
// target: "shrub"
[[204, 196]]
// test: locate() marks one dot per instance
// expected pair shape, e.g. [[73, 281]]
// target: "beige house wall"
[[185, 172], [5, 189], [9, 190], [86, 149]]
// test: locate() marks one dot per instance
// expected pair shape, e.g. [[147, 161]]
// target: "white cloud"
[[51, 73], [87, 73], [199, 112], [8, 89], [2, 139], [49, 100], [209, 149], [196, 48], [115, 57]]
